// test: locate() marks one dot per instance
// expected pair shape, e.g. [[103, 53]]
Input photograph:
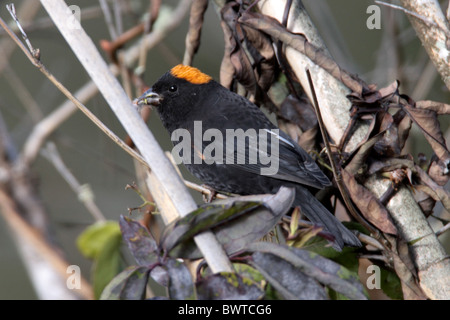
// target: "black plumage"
[[186, 99]]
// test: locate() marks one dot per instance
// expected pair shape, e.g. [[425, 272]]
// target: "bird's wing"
[[286, 162], [291, 162]]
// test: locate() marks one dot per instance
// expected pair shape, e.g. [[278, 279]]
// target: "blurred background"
[[378, 56]]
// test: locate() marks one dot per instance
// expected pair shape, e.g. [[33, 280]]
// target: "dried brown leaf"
[[252, 60], [403, 127], [428, 122], [308, 139], [423, 197], [389, 165], [277, 31], [438, 107], [405, 270], [436, 191], [359, 159], [388, 145], [263, 54], [197, 14], [226, 67], [243, 71], [299, 111], [439, 172], [370, 207]]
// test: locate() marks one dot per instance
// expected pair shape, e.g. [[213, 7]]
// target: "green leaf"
[[101, 242], [391, 284], [107, 265], [130, 284], [94, 238], [348, 257]]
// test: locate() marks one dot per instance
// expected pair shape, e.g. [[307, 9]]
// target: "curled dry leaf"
[[359, 159], [403, 127], [299, 111], [369, 104], [388, 145], [249, 56], [389, 165], [273, 28], [405, 269], [430, 187], [439, 172], [308, 139], [198, 10], [370, 207], [438, 107], [428, 122], [226, 67]]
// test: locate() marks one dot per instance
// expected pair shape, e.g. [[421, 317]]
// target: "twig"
[[29, 237], [164, 184], [117, 5], [435, 40], [426, 20], [44, 128], [46, 22], [443, 229], [26, 11], [23, 94], [336, 171], [37, 63], [375, 257], [153, 12], [425, 82], [108, 19], [83, 192], [12, 11]]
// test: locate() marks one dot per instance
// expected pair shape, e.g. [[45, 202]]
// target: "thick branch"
[[429, 256], [167, 188], [434, 36]]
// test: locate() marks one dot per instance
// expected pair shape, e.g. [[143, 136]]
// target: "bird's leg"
[[208, 197]]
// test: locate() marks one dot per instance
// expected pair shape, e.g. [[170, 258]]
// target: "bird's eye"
[[173, 88]]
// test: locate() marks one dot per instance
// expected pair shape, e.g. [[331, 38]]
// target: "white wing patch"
[[279, 137]]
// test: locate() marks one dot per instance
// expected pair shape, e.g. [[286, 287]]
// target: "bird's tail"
[[320, 215]]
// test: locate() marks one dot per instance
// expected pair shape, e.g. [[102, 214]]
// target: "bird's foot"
[[208, 197]]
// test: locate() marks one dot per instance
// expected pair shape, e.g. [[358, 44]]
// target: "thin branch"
[[443, 229], [46, 23], [427, 21], [336, 170], [12, 11], [435, 38], [37, 63], [23, 94], [108, 19], [29, 237], [84, 193], [169, 192]]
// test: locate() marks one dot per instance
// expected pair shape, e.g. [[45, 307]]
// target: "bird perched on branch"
[[231, 146]]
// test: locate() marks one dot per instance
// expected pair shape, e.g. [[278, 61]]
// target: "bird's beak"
[[149, 98]]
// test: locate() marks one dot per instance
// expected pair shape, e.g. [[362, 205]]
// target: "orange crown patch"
[[191, 74]]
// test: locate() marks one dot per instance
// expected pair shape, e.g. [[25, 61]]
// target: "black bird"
[[193, 107]]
